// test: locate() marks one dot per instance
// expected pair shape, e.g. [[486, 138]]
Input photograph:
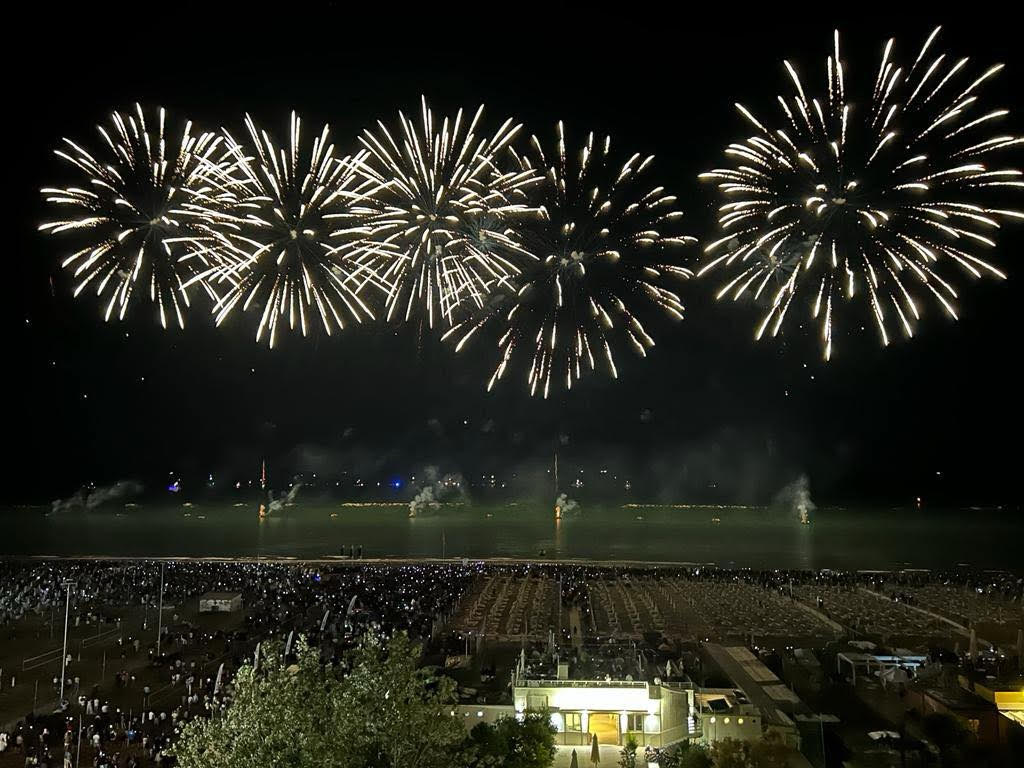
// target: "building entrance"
[[606, 726]]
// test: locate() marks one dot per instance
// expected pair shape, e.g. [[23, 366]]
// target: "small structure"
[[878, 664], [220, 602], [654, 713], [760, 701]]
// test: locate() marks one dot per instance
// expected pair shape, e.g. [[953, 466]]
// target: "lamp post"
[[64, 656], [160, 612], [78, 746]]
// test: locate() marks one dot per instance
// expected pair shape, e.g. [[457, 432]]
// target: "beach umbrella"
[[288, 645], [574, 761], [351, 605], [323, 624], [595, 750], [256, 658], [220, 676]]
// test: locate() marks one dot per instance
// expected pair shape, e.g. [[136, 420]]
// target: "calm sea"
[[740, 537]]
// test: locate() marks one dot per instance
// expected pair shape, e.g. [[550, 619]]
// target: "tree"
[[400, 710], [948, 735], [512, 743], [730, 753], [627, 757], [278, 715], [769, 752], [687, 754], [386, 711]]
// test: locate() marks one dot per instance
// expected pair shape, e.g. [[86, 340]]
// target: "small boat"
[[716, 520]]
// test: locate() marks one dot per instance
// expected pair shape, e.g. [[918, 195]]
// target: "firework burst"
[[296, 233], [443, 236], [149, 212], [605, 243], [880, 202]]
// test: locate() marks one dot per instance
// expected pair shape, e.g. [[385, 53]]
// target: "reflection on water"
[[742, 537]]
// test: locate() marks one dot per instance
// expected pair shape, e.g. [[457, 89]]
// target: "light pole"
[[78, 746], [160, 612], [64, 656]]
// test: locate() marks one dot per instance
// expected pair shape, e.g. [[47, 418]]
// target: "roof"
[[221, 596], [958, 699], [761, 686]]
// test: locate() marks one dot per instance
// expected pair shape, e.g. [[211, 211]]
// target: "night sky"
[[710, 415]]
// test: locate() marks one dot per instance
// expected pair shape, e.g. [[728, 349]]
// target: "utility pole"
[[64, 655], [160, 612], [78, 751]]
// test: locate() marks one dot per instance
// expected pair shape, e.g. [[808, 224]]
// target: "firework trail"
[[148, 211], [605, 243], [878, 203], [442, 236], [296, 233]]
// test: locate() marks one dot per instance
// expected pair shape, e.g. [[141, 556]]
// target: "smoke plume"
[[276, 505], [435, 489], [795, 498], [566, 505], [89, 499]]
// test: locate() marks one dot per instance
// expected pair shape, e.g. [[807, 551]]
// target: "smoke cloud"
[[566, 505], [795, 499], [435, 489], [276, 505], [86, 499]]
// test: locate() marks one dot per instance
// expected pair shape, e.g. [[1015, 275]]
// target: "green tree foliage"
[[278, 715], [511, 743], [386, 711], [955, 744], [768, 752], [731, 753], [687, 755], [401, 709], [627, 757], [944, 731]]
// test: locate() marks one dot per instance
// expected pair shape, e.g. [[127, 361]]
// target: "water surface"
[[742, 537]]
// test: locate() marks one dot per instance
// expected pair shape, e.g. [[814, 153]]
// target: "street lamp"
[[64, 656], [160, 613]]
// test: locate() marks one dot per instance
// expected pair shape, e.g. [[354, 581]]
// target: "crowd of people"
[[187, 675], [127, 716]]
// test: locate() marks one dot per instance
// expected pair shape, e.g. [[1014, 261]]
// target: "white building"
[[655, 714], [220, 602]]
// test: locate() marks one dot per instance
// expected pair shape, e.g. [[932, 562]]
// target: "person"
[[3, 742]]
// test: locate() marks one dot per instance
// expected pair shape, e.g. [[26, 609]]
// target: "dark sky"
[[710, 415]]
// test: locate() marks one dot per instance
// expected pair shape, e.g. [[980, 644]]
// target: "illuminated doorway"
[[606, 726]]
